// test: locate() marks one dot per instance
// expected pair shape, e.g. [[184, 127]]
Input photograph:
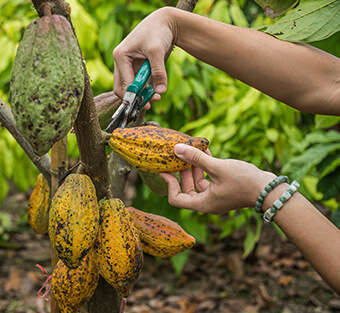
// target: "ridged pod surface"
[[119, 251], [38, 206], [47, 82], [160, 236], [151, 148], [73, 287], [74, 219]]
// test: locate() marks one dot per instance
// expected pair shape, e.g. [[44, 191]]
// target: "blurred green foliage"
[[240, 122]]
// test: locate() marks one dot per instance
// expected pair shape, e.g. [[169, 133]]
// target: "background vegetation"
[[239, 121]]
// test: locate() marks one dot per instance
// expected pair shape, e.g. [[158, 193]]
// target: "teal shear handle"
[[141, 78]]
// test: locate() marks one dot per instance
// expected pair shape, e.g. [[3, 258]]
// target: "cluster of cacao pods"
[[93, 239]]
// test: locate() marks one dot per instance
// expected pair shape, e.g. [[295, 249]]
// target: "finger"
[[147, 106], [201, 184], [126, 73], [116, 83], [155, 97], [187, 181], [194, 201], [158, 72], [197, 158], [171, 181]]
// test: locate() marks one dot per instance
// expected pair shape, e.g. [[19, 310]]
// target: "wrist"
[[261, 180], [170, 14]]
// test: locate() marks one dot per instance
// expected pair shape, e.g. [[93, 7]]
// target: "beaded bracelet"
[[278, 204], [263, 194]]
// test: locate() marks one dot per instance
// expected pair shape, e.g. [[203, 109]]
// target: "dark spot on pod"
[[43, 75], [77, 92]]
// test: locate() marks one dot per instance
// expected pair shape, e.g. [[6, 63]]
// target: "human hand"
[[234, 184], [151, 39]]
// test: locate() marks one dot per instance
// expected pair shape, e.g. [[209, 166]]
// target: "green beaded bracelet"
[[278, 204], [263, 194]]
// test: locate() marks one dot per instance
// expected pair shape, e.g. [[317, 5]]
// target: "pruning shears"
[[137, 94]]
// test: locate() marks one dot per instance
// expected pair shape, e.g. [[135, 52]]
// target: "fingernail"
[[179, 149], [160, 88]]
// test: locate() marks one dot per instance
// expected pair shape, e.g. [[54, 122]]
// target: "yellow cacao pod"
[[74, 219], [119, 251], [38, 206], [73, 287], [160, 236], [151, 148]]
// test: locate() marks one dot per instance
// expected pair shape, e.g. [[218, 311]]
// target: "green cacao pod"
[[74, 219], [38, 206], [47, 82]]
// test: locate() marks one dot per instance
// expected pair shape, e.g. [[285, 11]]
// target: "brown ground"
[[275, 278]]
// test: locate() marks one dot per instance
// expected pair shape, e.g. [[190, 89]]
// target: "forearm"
[[313, 234], [299, 75]]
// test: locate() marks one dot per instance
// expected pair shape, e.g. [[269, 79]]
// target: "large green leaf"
[[299, 166], [310, 21]]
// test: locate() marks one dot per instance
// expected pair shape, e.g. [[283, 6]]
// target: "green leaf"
[[299, 166], [329, 185], [272, 134], [100, 75], [310, 21], [220, 12], [206, 132], [335, 218], [325, 121], [237, 16], [251, 237], [178, 261], [274, 8], [4, 187], [319, 137]]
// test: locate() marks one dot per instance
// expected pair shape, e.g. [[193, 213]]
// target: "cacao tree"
[[87, 119]]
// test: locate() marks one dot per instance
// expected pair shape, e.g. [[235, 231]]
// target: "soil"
[[216, 279]]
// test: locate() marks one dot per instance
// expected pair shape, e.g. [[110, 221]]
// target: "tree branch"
[[106, 104], [58, 7], [43, 163], [186, 5]]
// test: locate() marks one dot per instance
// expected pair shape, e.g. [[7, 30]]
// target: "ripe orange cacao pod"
[[38, 206], [150, 148], [160, 236], [73, 287], [118, 248], [74, 219]]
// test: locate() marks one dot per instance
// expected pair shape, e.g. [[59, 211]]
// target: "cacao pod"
[[119, 252], [38, 206], [74, 219], [160, 236], [150, 148], [47, 82], [73, 287]]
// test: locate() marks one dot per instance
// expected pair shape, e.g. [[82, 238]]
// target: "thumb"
[[195, 157]]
